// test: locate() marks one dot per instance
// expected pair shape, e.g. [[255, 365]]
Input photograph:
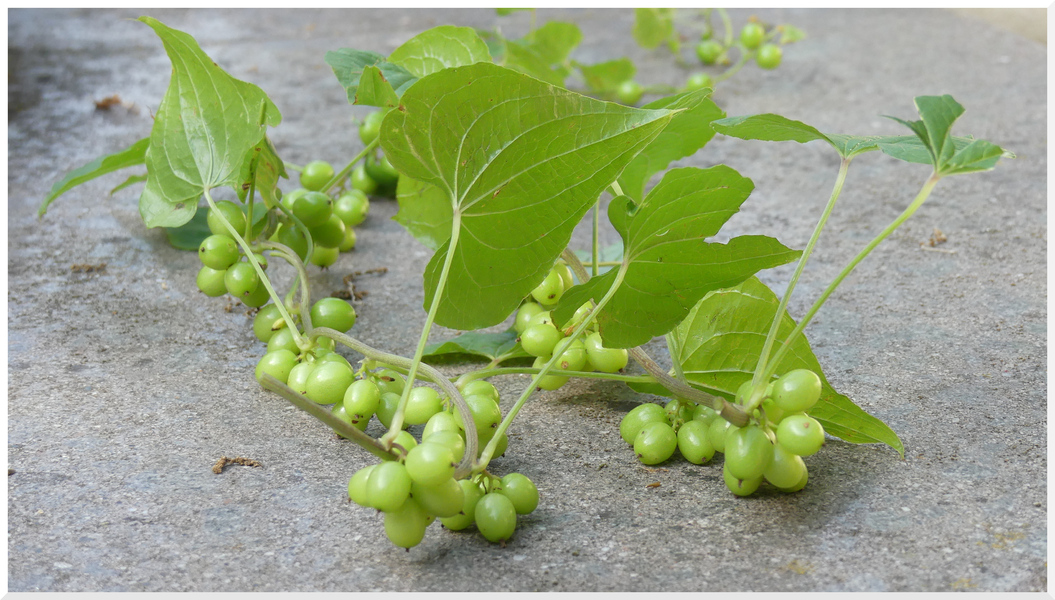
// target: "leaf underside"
[[203, 133]]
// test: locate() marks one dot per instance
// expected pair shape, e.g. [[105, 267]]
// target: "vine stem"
[[437, 296], [921, 197], [728, 411], [348, 168], [763, 358], [493, 371], [429, 373], [270, 383], [301, 341], [485, 456], [287, 254], [596, 228]]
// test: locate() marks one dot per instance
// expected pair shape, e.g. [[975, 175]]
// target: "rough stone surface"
[[126, 384]]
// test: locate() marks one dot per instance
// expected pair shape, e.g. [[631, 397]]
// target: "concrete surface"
[[126, 384]]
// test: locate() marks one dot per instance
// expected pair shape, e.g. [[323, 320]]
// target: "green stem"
[[264, 281], [437, 296], [291, 257], [428, 372], [493, 371], [351, 165], [374, 446], [488, 451], [299, 225], [921, 197], [763, 358], [727, 23], [745, 56], [596, 228]]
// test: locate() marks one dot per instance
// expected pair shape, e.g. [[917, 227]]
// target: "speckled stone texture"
[[126, 384]]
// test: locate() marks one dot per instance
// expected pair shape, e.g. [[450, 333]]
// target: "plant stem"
[[351, 165], [596, 228], [270, 383], [488, 451], [922, 196], [493, 371], [291, 257], [745, 56], [763, 358], [299, 225], [437, 296], [264, 281], [429, 373], [728, 25]]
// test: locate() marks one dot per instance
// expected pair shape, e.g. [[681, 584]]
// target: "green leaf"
[[487, 345], [790, 34], [425, 211], [689, 131], [544, 53], [775, 128], [206, 124], [440, 48], [979, 155], [554, 41], [937, 113], [502, 12], [132, 180], [606, 77], [263, 167], [653, 26], [374, 89], [722, 337], [349, 66], [189, 236], [668, 265], [611, 253], [524, 59], [520, 162], [949, 155], [129, 157]]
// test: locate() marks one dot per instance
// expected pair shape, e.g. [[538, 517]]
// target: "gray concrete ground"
[[126, 384]]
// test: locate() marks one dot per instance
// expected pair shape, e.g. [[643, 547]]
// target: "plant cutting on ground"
[[494, 162]]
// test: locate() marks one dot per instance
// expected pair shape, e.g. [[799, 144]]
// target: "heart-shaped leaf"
[[689, 131], [440, 48], [520, 162], [667, 265], [719, 343], [206, 124]]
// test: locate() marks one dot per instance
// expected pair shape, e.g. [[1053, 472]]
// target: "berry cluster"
[[225, 269], [542, 338], [330, 221], [318, 372], [769, 448], [420, 486]]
